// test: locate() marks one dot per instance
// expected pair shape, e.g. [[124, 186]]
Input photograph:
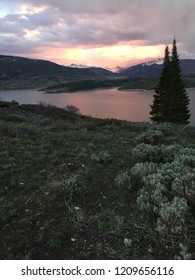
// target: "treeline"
[[122, 84], [87, 84]]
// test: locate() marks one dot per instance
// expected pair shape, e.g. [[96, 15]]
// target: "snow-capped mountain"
[[154, 68], [80, 66], [116, 69], [149, 63]]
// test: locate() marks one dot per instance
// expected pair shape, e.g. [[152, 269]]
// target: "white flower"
[[73, 239], [127, 242]]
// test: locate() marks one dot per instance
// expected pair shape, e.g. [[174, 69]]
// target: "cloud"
[[37, 24]]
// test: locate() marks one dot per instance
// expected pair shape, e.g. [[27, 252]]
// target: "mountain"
[[73, 65], [153, 69], [116, 69], [95, 70], [20, 72]]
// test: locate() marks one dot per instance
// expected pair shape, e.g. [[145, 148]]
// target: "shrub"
[[73, 109], [109, 221], [73, 187], [158, 154], [123, 180], [101, 157], [185, 187], [143, 169], [169, 153], [165, 128], [146, 152], [6, 104], [172, 216], [152, 194], [184, 255], [137, 126], [54, 243], [166, 176], [14, 117], [144, 200], [163, 182], [150, 137], [187, 160], [187, 130]]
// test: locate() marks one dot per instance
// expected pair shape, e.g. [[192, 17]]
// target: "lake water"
[[131, 105]]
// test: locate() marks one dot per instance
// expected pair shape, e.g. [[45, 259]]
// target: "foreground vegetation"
[[75, 187]]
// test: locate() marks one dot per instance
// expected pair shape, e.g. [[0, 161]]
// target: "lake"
[[131, 105]]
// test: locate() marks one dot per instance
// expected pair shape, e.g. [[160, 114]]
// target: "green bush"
[[172, 216], [169, 153], [73, 187], [143, 169], [152, 194], [165, 176], [165, 128], [123, 180], [146, 152], [158, 154], [101, 157], [185, 187], [109, 221], [187, 131], [183, 254], [54, 243], [150, 137]]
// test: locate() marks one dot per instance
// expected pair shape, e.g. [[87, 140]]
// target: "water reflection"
[[132, 105]]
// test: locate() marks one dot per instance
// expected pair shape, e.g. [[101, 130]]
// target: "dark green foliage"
[[158, 107], [85, 84], [150, 137], [164, 175], [170, 100]]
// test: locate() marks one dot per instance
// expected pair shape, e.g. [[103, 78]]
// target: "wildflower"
[[127, 242]]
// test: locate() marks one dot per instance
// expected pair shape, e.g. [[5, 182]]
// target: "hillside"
[[75, 187], [19, 72], [146, 75], [153, 69]]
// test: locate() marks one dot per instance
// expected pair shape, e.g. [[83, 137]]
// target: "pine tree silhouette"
[[171, 101]]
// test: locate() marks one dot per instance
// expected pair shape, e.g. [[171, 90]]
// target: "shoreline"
[[82, 90]]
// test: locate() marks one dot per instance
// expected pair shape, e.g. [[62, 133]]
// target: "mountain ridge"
[[19, 72], [154, 68]]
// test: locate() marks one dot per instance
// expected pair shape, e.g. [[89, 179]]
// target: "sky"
[[105, 33]]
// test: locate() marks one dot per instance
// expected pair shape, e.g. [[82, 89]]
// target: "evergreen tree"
[[170, 100], [158, 107], [180, 101]]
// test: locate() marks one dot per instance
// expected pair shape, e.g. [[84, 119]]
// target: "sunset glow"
[[112, 55], [31, 9], [103, 33]]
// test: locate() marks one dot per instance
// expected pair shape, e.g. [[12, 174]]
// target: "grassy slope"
[[40, 146]]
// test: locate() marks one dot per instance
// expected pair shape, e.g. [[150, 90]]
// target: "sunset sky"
[[96, 32]]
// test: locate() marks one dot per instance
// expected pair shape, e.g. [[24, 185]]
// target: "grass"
[[44, 153]]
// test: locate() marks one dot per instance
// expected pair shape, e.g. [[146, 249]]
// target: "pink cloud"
[[30, 27]]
